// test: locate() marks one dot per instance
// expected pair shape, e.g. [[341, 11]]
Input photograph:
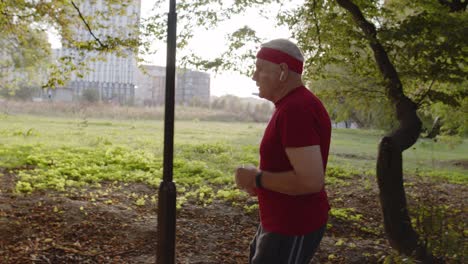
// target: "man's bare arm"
[[306, 177]]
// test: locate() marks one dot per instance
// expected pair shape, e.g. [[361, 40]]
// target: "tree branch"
[[426, 93], [317, 26], [88, 27], [394, 88], [17, 15]]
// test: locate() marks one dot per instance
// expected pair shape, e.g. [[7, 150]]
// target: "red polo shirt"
[[300, 120]]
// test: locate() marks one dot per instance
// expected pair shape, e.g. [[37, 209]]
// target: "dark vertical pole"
[[167, 189]]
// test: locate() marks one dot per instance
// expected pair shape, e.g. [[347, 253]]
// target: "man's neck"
[[287, 88]]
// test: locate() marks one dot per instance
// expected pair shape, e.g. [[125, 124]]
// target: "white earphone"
[[281, 75]]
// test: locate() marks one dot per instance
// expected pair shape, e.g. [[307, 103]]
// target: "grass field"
[[110, 158], [444, 158], [73, 152]]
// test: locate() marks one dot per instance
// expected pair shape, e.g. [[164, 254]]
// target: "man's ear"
[[284, 71]]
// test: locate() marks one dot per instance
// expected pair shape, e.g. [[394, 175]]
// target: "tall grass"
[[111, 111]]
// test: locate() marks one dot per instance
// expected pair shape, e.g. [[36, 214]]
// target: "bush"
[[440, 231], [90, 95], [24, 93]]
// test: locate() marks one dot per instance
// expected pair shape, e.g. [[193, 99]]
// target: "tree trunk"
[[358, 121], [401, 234], [435, 130]]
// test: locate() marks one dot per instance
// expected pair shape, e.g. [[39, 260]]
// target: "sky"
[[210, 43]]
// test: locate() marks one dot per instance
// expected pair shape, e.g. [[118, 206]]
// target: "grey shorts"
[[273, 248]]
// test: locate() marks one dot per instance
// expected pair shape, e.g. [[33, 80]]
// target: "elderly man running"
[[289, 182]]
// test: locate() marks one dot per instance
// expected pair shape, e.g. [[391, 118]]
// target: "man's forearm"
[[290, 183]]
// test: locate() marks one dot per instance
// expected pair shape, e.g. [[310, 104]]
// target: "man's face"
[[266, 76]]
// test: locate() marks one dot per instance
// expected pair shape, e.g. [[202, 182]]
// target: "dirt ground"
[[106, 226]]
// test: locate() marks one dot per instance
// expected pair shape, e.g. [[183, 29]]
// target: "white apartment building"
[[191, 87], [151, 81], [112, 76]]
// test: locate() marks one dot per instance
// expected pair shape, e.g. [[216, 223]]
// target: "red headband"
[[278, 57]]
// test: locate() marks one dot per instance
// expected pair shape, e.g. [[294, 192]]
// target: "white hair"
[[285, 46]]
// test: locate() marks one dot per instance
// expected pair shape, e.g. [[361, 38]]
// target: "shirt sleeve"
[[298, 127]]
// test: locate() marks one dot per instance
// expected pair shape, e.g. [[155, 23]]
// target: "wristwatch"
[[258, 180]]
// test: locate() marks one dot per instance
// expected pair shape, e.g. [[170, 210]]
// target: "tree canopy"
[[24, 26], [426, 41]]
